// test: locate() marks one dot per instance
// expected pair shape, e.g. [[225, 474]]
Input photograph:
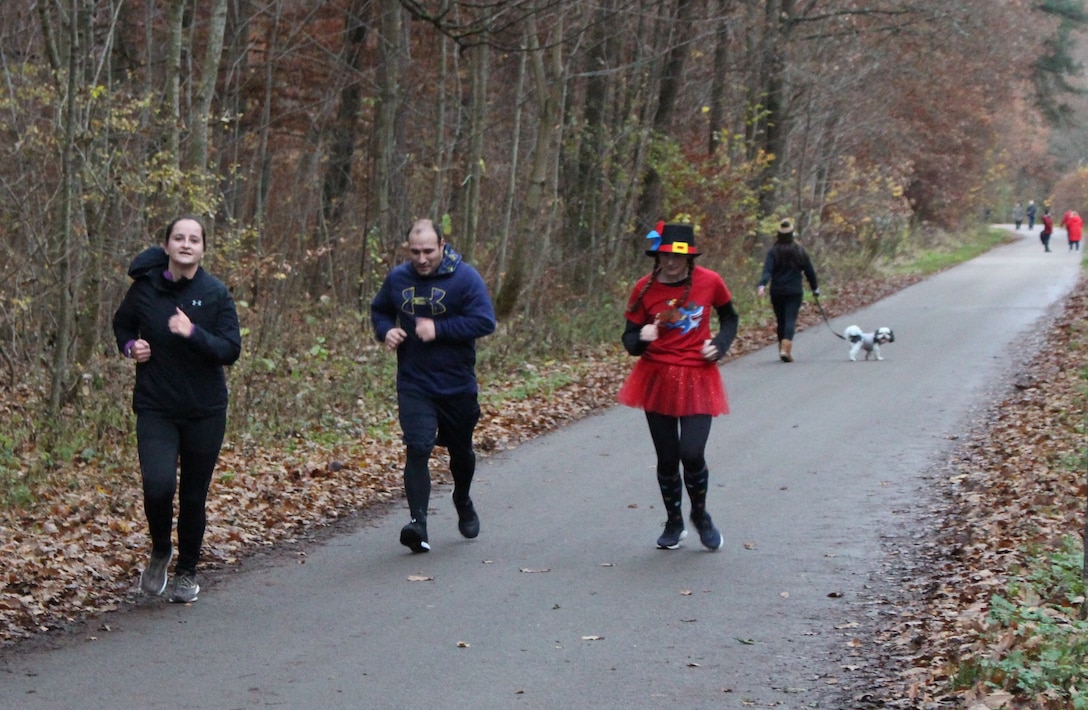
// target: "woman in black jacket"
[[180, 325], [786, 262]]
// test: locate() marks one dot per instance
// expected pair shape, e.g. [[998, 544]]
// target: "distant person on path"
[[1018, 215], [1048, 229], [1073, 225], [1031, 214], [676, 379], [431, 309], [180, 325], [785, 264]]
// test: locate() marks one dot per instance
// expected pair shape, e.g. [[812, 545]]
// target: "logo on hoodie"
[[415, 304]]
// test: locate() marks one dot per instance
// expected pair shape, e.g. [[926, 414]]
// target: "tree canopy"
[[545, 135]]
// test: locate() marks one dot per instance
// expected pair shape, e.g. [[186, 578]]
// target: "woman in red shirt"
[[676, 379]]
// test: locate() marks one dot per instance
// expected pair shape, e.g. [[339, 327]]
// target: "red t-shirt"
[[682, 327]]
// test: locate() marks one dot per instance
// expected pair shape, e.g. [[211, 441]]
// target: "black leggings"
[[442, 421], [162, 443], [679, 440], [786, 308]]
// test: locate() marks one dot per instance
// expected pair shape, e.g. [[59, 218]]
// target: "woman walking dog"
[[786, 262]]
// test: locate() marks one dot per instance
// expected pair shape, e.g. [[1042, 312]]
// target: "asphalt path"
[[563, 601]]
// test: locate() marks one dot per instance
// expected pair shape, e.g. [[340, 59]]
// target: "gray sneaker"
[[153, 578], [185, 588]]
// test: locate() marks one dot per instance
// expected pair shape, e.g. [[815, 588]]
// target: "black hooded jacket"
[[786, 262], [184, 377]]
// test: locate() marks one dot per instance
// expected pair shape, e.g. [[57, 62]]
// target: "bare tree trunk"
[[263, 159], [506, 300], [344, 133], [584, 223], [441, 146], [774, 114], [345, 129], [552, 220], [172, 98], [233, 105], [480, 61], [209, 74], [651, 197], [512, 184], [100, 217], [62, 242], [636, 144], [388, 178], [718, 84]]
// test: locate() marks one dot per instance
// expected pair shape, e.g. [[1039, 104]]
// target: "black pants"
[[443, 421], [679, 440], [1045, 239], [786, 307], [163, 442]]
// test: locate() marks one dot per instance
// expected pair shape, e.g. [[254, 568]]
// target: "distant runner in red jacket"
[[1073, 225]]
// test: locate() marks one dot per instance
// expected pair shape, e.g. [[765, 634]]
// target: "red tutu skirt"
[[674, 390]]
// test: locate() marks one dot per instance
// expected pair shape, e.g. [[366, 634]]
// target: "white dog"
[[869, 342]]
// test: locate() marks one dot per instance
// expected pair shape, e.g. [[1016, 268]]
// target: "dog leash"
[[820, 308]]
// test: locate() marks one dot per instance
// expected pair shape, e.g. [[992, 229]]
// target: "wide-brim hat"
[[672, 239]]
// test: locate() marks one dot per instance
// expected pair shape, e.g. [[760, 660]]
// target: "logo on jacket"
[[414, 302], [683, 319]]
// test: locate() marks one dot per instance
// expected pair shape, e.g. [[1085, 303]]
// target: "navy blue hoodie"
[[455, 296], [184, 377]]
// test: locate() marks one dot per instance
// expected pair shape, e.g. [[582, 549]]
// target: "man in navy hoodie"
[[431, 310]]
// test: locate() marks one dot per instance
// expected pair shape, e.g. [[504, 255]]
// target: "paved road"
[[563, 602]]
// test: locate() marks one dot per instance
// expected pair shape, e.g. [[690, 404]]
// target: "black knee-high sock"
[[696, 484], [417, 483], [672, 493]]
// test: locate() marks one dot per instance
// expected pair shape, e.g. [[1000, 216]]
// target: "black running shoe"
[[414, 536], [674, 533], [467, 520], [708, 534]]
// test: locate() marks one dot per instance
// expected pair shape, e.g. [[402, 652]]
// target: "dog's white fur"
[[869, 342]]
